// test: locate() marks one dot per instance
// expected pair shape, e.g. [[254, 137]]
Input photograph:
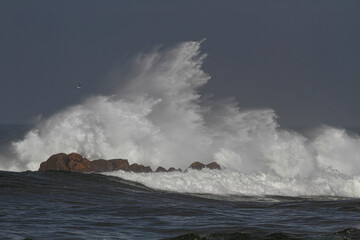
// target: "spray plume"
[[159, 118]]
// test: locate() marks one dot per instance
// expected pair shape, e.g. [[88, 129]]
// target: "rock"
[[120, 164], [102, 165], [74, 162], [160, 169], [139, 168], [213, 165], [58, 161], [75, 157], [174, 170], [79, 164], [197, 165]]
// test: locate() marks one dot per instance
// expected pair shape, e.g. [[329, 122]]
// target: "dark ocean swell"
[[63, 205]]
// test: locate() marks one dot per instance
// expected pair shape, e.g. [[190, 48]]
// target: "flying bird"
[[79, 85]]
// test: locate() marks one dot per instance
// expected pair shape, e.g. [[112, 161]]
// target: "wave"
[[157, 117], [229, 182]]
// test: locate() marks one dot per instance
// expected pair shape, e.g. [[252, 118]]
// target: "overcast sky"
[[301, 58]]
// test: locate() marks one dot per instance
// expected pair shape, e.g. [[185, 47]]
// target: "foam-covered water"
[[157, 117], [233, 182]]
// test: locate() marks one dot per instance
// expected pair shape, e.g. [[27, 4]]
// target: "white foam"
[[158, 118], [233, 182]]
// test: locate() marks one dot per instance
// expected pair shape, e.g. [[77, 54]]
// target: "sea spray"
[[158, 118]]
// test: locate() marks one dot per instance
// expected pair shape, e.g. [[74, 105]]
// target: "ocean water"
[[275, 183], [62, 205]]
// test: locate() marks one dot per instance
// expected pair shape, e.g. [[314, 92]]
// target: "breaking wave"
[[236, 183], [157, 117]]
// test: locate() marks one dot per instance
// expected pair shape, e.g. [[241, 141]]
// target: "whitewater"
[[158, 117]]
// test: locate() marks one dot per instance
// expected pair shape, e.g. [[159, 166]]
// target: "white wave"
[[159, 118], [233, 182]]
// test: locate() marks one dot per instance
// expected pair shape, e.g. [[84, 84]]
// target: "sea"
[[68, 205], [274, 182]]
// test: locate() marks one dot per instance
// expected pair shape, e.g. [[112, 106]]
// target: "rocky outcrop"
[[102, 165], [79, 164], [199, 165], [139, 168], [213, 165], [120, 164], [58, 161], [74, 162], [160, 169]]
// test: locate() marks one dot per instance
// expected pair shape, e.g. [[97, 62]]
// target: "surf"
[[158, 117]]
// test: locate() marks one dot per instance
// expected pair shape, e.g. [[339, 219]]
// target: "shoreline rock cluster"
[[74, 162]]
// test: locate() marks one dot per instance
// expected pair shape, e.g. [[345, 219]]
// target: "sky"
[[300, 58]]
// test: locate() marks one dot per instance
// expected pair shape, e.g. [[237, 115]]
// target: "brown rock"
[[102, 165], [139, 168], [75, 157], [161, 169], [120, 164], [58, 161], [79, 164], [74, 162], [213, 165], [197, 165]]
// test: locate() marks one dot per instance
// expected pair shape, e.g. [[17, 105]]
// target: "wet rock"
[[213, 165], [120, 164], [174, 170], [79, 164], [138, 168], [160, 169], [197, 165], [102, 165], [74, 162], [58, 161]]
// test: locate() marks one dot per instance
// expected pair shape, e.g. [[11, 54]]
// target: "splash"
[[159, 118]]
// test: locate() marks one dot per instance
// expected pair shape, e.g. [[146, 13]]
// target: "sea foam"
[[157, 117], [233, 182]]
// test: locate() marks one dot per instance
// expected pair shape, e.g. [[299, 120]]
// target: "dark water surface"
[[63, 205]]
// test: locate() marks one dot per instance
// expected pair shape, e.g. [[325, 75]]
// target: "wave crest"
[[159, 118]]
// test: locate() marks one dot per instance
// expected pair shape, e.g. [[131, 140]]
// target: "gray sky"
[[301, 58]]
